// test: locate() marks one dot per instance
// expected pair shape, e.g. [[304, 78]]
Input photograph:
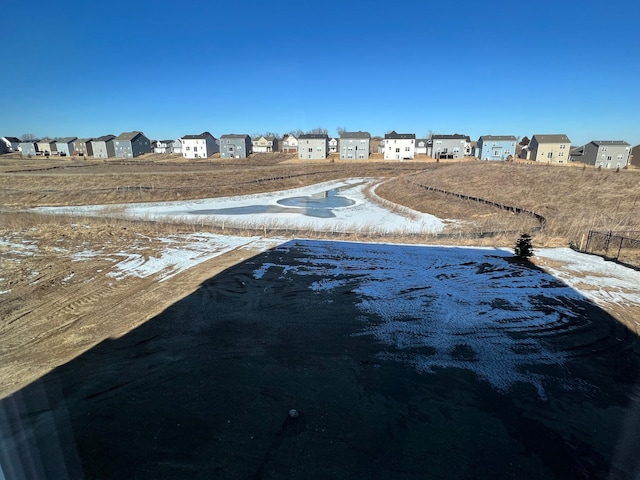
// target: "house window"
[[561, 154], [310, 150], [187, 148], [195, 149], [562, 146], [608, 158], [361, 155], [407, 149], [620, 157], [550, 155], [398, 150], [496, 153]]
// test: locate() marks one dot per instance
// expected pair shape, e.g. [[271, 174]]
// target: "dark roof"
[[83, 140], [35, 140], [498, 138], [551, 138], [357, 134], [455, 136], [104, 138], [128, 136], [66, 140], [12, 139], [310, 136], [202, 136], [235, 135], [395, 135], [620, 143]]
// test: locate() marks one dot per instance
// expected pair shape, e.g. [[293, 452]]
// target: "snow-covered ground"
[[471, 308], [339, 206]]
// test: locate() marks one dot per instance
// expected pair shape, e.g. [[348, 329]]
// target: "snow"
[[361, 215], [448, 300]]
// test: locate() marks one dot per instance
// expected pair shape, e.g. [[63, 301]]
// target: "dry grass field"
[[56, 308]]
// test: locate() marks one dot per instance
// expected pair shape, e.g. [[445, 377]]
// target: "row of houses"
[[548, 148]]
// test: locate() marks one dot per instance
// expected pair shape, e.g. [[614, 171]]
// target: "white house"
[[290, 144], [333, 145], [199, 146], [12, 143], [399, 146], [265, 144]]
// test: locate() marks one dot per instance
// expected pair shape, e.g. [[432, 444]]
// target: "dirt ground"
[[136, 378], [201, 386]]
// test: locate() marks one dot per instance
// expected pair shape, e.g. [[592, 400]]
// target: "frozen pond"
[[337, 206], [319, 205]]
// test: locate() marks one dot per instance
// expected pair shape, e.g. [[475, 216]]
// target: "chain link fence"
[[622, 247]]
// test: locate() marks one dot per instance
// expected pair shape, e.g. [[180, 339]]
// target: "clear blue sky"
[[173, 68]]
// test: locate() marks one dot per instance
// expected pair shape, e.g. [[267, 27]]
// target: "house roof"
[[357, 134], [551, 138], [455, 136], [310, 136], [498, 138], [128, 136], [104, 138], [30, 142], [202, 136], [235, 135], [12, 139], [83, 140], [66, 140], [396, 135], [605, 143]]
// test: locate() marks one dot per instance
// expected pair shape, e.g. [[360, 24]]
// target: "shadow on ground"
[[383, 391]]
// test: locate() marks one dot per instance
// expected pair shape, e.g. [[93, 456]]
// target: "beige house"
[[265, 144], [549, 148], [289, 144]]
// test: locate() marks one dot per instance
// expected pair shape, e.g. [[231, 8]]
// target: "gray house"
[[603, 153], [131, 144], [82, 147], [354, 145], [313, 146], [235, 146], [29, 148], [65, 146], [449, 147], [103, 147]]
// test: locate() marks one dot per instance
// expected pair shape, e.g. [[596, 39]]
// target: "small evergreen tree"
[[524, 249]]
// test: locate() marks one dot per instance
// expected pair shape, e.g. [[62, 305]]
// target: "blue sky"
[[168, 69]]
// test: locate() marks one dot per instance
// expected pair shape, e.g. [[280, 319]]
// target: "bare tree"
[[25, 137], [318, 131], [340, 130], [296, 133]]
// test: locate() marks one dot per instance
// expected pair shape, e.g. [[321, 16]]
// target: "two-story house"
[[265, 144], [635, 156], [313, 146], [549, 148], [497, 147], [12, 144], [399, 146], [82, 147], [289, 144], [46, 147], [333, 145], [103, 146], [65, 146], [29, 148], [199, 146], [603, 153], [235, 146], [354, 145], [449, 147], [131, 144]]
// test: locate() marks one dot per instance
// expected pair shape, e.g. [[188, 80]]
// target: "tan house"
[[549, 148], [265, 144]]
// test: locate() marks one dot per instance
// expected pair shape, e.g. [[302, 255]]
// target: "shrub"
[[524, 249]]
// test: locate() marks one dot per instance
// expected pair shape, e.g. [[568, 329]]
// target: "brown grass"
[[573, 200]]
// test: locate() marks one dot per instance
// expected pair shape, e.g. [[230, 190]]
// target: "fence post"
[[620, 248]]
